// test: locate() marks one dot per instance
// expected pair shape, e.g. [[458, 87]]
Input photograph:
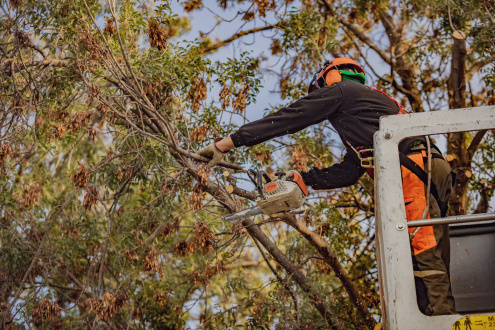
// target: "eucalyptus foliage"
[[110, 219]]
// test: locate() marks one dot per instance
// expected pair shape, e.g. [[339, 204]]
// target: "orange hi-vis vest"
[[415, 200]]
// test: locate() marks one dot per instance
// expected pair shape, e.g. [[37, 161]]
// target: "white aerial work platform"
[[472, 264]]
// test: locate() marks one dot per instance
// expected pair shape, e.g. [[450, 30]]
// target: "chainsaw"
[[286, 192]]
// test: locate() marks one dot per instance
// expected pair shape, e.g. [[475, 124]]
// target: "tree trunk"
[[456, 142]]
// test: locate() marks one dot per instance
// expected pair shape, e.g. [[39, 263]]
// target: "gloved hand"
[[212, 152]]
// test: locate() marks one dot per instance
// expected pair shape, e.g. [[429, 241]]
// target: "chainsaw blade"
[[249, 212]]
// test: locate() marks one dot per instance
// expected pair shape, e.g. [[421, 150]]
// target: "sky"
[[203, 20]]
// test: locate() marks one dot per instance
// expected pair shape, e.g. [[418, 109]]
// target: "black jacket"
[[353, 110]]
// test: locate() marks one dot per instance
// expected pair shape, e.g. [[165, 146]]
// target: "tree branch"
[[295, 273], [485, 194], [330, 258], [236, 36], [478, 137], [477, 66], [279, 278], [358, 33], [6, 66], [37, 254]]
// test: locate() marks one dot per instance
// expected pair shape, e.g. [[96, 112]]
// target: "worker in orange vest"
[[338, 94]]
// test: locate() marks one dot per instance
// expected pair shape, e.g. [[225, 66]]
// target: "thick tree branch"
[[236, 36], [402, 65], [184, 152], [295, 273], [329, 6], [456, 146], [223, 198], [477, 66], [478, 137], [279, 278], [6, 65], [330, 258]]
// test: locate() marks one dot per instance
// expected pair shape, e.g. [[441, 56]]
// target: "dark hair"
[[349, 68]]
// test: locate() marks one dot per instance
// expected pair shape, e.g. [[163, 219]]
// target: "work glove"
[[211, 151]]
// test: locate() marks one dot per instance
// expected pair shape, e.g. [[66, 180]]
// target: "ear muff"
[[333, 76]]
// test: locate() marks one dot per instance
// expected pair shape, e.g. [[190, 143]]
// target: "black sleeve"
[[310, 110], [343, 174]]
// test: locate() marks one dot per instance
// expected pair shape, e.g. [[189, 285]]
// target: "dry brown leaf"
[[225, 97], [110, 28], [203, 174], [248, 16], [191, 5], [170, 228], [322, 267], [130, 255], [276, 47], [15, 3], [208, 273], [108, 306], [30, 195], [93, 93], [102, 108], [264, 6], [183, 248], [81, 177], [59, 131], [91, 132], [5, 151], [239, 103], [90, 198], [197, 93], [151, 261], [263, 157], [204, 238], [198, 134], [300, 159], [157, 35], [91, 44], [46, 310], [196, 200], [23, 38], [161, 299], [79, 120]]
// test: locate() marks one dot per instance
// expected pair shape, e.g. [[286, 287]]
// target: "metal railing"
[[453, 219]]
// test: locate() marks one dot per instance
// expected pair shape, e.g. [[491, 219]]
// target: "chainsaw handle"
[[257, 179], [296, 177], [252, 176]]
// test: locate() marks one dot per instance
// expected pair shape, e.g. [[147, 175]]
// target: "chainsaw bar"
[[249, 212]]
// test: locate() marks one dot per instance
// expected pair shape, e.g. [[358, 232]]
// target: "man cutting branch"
[[337, 93]]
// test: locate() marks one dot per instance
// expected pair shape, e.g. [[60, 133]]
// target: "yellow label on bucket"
[[477, 322]]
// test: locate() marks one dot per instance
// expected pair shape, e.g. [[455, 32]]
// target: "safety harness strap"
[[424, 273], [365, 154], [401, 108], [419, 172], [423, 176]]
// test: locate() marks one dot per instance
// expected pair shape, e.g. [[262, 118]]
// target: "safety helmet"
[[330, 74]]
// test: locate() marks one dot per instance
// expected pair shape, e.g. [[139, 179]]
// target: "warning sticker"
[[477, 322]]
